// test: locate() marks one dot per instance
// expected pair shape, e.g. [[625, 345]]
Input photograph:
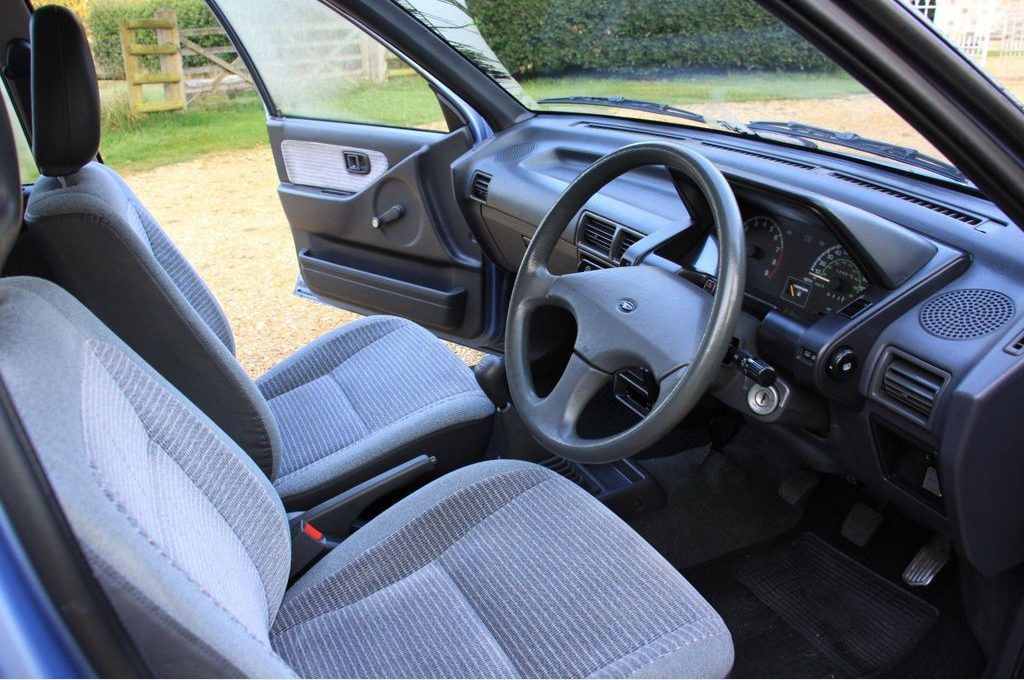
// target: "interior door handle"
[[357, 162], [388, 216]]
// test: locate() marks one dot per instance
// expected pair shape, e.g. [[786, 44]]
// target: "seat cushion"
[[500, 569], [347, 402]]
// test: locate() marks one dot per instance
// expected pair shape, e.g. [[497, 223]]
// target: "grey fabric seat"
[[500, 569], [354, 403]]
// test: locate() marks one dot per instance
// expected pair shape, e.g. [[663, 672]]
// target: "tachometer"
[[837, 276], [765, 246]]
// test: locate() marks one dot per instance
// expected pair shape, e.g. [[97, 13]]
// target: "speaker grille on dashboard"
[[515, 152], [966, 313]]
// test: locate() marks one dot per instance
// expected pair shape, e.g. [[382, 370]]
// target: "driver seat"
[[358, 401]]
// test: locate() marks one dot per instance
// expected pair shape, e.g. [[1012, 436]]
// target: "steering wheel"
[[626, 317]]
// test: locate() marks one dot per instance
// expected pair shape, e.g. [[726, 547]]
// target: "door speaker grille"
[[966, 313]]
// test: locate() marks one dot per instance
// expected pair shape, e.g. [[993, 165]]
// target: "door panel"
[[420, 261]]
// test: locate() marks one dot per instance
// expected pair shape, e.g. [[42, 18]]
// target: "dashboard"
[[885, 303]]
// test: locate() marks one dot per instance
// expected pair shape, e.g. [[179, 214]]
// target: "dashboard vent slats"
[[596, 233], [480, 187], [762, 156], [910, 198], [913, 384], [626, 239]]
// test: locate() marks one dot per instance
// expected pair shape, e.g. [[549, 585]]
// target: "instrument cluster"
[[799, 266]]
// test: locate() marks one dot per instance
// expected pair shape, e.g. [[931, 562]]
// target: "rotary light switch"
[[842, 363]]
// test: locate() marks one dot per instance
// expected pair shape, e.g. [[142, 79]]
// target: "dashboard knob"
[[842, 363], [757, 369]]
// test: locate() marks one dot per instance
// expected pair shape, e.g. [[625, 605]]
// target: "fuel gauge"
[[796, 292]]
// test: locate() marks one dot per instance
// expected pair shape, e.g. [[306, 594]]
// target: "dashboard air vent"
[[912, 384], [762, 156], [626, 239], [481, 184], [910, 198], [1016, 348], [596, 233]]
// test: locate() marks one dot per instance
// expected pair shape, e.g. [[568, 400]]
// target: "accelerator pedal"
[[928, 562]]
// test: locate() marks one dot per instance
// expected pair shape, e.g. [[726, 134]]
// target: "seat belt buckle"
[[308, 544]]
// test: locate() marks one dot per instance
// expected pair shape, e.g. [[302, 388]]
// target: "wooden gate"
[[166, 49]]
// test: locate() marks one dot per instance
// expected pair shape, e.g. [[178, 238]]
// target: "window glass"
[[988, 32], [26, 163], [724, 64], [317, 64]]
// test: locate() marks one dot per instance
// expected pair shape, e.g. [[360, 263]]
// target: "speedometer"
[[837, 276], [765, 246]]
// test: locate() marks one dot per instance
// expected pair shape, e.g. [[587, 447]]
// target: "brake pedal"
[[861, 524], [797, 486], [928, 562]]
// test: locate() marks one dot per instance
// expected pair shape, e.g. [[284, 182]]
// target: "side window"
[[317, 64], [29, 171]]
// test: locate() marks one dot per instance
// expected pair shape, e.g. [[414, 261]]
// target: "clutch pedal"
[[928, 562]]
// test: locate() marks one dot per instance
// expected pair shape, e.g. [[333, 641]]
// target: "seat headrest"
[[10, 187], [65, 96]]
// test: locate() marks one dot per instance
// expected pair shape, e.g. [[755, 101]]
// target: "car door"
[[363, 146]]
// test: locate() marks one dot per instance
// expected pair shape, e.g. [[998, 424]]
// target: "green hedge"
[[548, 37], [104, 16]]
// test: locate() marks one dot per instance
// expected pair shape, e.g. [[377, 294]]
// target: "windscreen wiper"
[[903, 154], [627, 103]]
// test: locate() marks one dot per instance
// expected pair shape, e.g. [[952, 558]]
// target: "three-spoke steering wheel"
[[626, 317]]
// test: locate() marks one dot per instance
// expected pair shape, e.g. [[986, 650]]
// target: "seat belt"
[[18, 71]]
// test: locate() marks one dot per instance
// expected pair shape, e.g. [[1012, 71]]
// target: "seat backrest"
[[100, 243], [184, 533]]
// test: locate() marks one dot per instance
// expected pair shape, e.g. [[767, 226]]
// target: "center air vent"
[[597, 234], [957, 215], [626, 239], [480, 187], [911, 385]]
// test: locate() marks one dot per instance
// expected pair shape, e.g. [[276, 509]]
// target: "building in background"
[[980, 28]]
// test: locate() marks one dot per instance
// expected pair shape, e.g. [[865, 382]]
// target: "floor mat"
[[716, 505], [857, 620]]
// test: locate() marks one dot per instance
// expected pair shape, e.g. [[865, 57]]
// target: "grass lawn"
[[703, 88], [139, 142]]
